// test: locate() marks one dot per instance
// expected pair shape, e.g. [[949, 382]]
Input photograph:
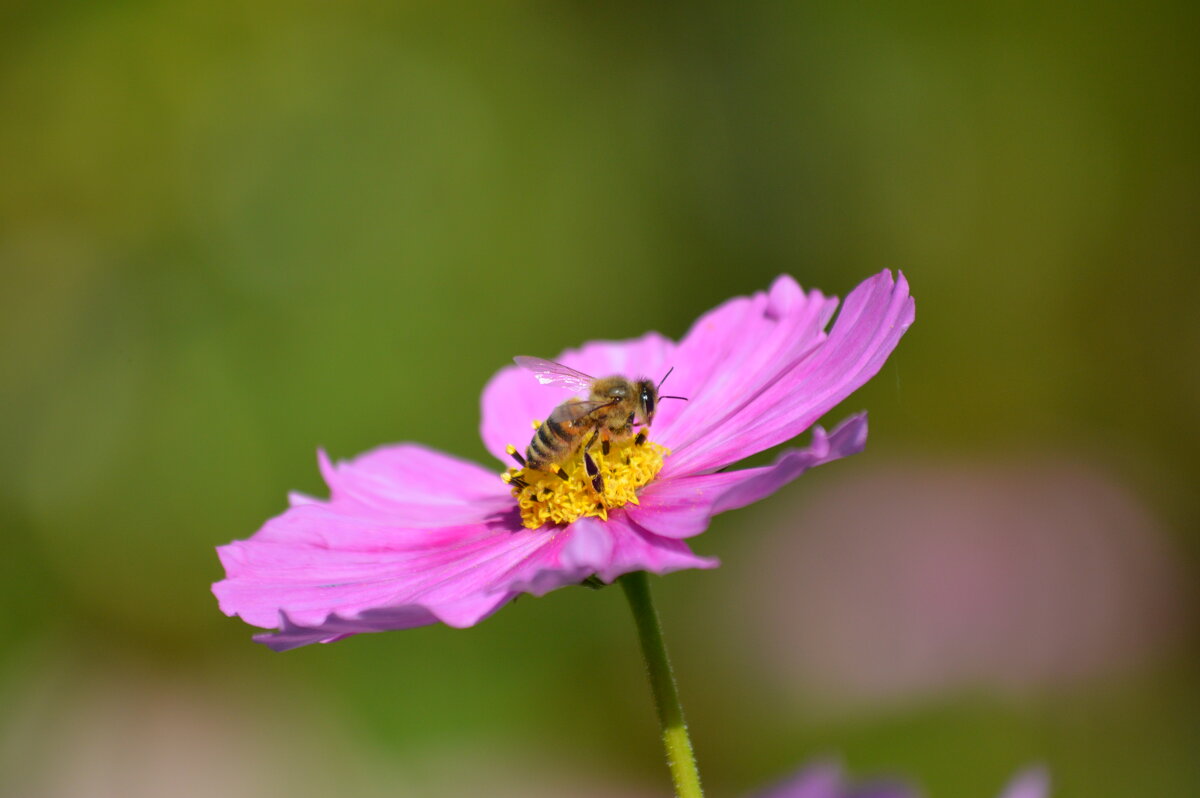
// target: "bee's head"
[[647, 396]]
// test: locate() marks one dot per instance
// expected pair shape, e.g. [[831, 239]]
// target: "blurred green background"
[[232, 233]]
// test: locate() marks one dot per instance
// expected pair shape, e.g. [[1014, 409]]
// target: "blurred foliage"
[[230, 234]]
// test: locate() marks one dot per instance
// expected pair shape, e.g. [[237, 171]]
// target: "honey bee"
[[614, 405]]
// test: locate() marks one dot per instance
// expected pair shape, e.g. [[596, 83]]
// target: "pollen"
[[563, 494]]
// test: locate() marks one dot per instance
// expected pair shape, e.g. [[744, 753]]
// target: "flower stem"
[[680, 758]]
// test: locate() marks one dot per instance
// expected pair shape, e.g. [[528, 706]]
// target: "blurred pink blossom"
[[913, 578], [124, 729], [826, 780]]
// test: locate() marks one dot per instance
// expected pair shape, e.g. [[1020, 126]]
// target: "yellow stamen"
[[563, 493]]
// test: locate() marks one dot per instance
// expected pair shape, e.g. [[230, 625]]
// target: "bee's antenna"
[[664, 379], [684, 398]]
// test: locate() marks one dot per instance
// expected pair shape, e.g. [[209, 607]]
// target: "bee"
[[614, 405]]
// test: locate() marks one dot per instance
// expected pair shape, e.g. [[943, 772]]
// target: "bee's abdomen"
[[549, 445]]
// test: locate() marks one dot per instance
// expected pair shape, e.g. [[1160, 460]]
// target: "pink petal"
[[410, 537], [636, 549], [291, 635], [606, 549], [825, 780], [820, 780], [760, 371], [735, 350], [681, 507], [324, 567], [513, 397], [296, 498], [417, 486]]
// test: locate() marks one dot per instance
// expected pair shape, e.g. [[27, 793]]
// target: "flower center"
[[572, 490]]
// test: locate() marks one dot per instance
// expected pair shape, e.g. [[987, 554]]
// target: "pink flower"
[[980, 583], [825, 780], [410, 536]]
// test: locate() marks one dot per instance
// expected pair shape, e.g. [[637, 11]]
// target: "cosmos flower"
[[411, 536], [825, 780]]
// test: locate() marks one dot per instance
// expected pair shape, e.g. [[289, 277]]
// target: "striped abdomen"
[[556, 439]]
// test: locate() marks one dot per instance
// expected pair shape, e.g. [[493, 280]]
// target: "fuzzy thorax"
[[560, 497]]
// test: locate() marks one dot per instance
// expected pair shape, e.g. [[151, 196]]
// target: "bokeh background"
[[232, 233]]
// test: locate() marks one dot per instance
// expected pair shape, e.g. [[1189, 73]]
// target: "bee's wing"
[[550, 373], [575, 410]]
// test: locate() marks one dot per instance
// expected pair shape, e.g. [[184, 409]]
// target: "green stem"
[[680, 758]]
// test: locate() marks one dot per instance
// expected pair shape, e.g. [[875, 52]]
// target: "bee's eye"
[[648, 401]]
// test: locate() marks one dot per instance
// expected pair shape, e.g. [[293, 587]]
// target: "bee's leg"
[[592, 441], [514, 454], [604, 441], [513, 479], [593, 471], [640, 439]]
